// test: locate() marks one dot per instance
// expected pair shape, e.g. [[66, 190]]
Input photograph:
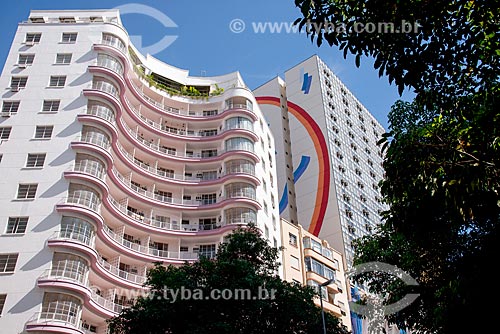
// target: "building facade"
[[311, 261], [329, 164], [111, 161]]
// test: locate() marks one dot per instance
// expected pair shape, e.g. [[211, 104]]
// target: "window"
[[17, 225], [292, 239], [32, 38], [207, 251], [44, 131], [10, 107], [51, 105], [5, 132], [69, 37], [26, 59], [18, 83], [68, 19], [27, 191], [35, 160], [57, 81], [2, 302], [63, 58], [266, 232], [294, 262], [36, 20], [8, 262]]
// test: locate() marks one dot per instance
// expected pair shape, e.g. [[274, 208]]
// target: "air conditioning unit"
[[30, 43], [22, 65], [5, 114], [14, 89]]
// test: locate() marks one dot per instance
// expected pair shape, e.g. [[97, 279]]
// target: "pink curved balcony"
[[152, 225], [163, 152], [186, 134], [85, 243], [182, 179], [153, 148], [155, 198], [65, 279], [161, 107], [91, 207], [148, 251], [54, 322]]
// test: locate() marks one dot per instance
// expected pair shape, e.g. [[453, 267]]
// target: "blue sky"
[[206, 45]]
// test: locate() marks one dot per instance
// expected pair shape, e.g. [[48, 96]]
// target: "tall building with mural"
[[329, 164], [111, 161]]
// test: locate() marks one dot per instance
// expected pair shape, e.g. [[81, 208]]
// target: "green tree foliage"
[[245, 261], [442, 158]]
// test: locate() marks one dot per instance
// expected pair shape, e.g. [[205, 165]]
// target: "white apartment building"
[[110, 161], [329, 164]]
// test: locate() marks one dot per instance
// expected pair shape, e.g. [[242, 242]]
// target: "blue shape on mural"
[[306, 83], [301, 168]]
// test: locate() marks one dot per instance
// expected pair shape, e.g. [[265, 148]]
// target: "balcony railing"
[[84, 238], [168, 109], [66, 274], [90, 167], [144, 220], [101, 112], [106, 87], [114, 42], [199, 155], [113, 65], [241, 193], [157, 104], [134, 278], [90, 203], [174, 225], [234, 169], [96, 139], [186, 132], [238, 193], [64, 319], [106, 303], [148, 250]]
